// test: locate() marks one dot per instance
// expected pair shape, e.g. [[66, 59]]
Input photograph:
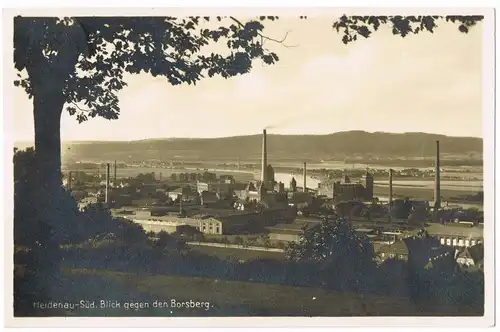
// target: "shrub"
[[167, 242], [280, 244]]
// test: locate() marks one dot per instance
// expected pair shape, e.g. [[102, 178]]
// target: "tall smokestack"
[[305, 177], [390, 185], [106, 197], [437, 184], [114, 175], [180, 204], [390, 191], [70, 175], [263, 176]]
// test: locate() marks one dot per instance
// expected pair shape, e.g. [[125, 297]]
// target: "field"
[[459, 185], [423, 193], [237, 254], [139, 295]]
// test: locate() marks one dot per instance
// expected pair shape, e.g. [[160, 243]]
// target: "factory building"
[[266, 191], [207, 220], [345, 190], [255, 191], [208, 198], [163, 224], [185, 193], [237, 223], [299, 197], [456, 236], [155, 220], [224, 188], [293, 185]]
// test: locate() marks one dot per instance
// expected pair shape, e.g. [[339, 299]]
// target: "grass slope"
[[226, 298], [235, 253]]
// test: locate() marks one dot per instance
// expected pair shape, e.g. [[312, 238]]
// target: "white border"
[[488, 114]]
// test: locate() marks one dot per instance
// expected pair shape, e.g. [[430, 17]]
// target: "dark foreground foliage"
[[432, 291], [37, 254]]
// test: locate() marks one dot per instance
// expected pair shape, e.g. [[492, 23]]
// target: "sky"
[[422, 83]]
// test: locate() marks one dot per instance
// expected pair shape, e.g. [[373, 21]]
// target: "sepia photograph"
[[225, 163]]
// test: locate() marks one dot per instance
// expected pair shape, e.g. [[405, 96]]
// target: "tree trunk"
[[47, 110], [48, 73], [47, 114]]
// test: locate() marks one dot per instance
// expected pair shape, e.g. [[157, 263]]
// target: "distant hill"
[[285, 147]]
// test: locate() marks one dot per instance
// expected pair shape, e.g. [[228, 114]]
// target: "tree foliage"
[[332, 240], [36, 253], [343, 255], [92, 54], [352, 27], [168, 242], [393, 277], [30, 230]]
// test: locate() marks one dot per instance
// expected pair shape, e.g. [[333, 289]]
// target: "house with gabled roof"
[[418, 251], [471, 256], [398, 250]]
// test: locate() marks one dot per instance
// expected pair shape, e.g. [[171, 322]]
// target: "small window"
[[217, 230]]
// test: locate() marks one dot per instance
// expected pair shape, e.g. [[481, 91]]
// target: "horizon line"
[[256, 134]]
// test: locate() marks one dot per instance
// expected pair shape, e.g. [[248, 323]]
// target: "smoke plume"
[[287, 121], [297, 118]]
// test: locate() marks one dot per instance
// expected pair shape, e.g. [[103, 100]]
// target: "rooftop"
[[455, 230], [475, 252], [166, 220], [308, 219], [364, 230], [398, 248], [284, 231], [295, 227]]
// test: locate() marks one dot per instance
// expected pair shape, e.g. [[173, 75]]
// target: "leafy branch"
[[264, 37], [353, 26]]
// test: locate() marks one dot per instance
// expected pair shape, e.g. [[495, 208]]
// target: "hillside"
[[306, 147], [226, 298]]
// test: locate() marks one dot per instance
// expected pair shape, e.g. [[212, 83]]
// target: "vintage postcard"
[[256, 167]]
